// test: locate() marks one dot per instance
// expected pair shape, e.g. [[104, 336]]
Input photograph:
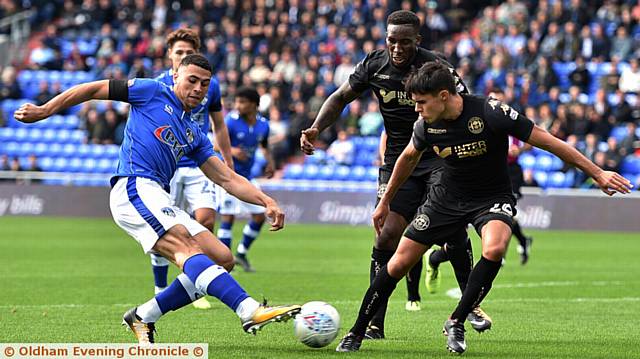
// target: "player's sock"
[[478, 287], [180, 293], [438, 257], [462, 262], [160, 267], [378, 293], [379, 259], [249, 234], [413, 282], [224, 233], [214, 280], [517, 231]]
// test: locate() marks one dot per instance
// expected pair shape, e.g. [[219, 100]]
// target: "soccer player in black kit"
[[384, 71], [471, 134]]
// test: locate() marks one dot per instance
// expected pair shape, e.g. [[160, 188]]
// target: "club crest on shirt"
[[189, 134], [475, 125], [382, 188], [421, 222], [167, 211]]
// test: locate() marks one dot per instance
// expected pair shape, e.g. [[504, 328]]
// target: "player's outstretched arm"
[[403, 168], [608, 181], [241, 188], [327, 116], [97, 90], [222, 137]]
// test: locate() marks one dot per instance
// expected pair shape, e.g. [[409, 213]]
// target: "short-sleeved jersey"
[[158, 134], [211, 103], [377, 72], [248, 137], [474, 146]]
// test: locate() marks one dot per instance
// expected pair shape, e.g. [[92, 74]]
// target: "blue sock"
[[214, 280], [180, 293], [249, 234], [160, 267], [224, 233]]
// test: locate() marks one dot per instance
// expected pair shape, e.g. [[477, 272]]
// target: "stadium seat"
[[55, 150], [372, 143], [342, 173], [83, 150], [372, 174], [34, 135], [326, 172], [319, 157], [21, 134], [358, 173], [527, 160], [11, 149], [89, 165], [544, 163], [41, 149], [25, 149], [293, 171], [45, 163], [63, 136], [619, 132], [75, 165], [98, 151], [630, 165], [310, 172], [49, 135], [556, 180], [541, 178], [104, 166], [71, 122], [7, 134], [112, 151], [59, 164]]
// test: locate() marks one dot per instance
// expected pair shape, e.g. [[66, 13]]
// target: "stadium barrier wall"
[[550, 209]]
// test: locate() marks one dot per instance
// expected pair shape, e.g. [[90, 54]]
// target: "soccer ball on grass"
[[317, 324]]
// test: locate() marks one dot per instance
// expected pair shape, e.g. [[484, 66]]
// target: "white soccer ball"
[[317, 324]]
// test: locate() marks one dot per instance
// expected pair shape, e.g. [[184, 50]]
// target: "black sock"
[[461, 258], [478, 287], [379, 291], [413, 282], [379, 259], [438, 257], [517, 231]]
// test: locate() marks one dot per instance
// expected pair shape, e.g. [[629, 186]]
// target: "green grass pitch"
[[70, 280]]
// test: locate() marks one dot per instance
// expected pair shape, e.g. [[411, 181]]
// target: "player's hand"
[[239, 153], [306, 140], [611, 182], [30, 113], [276, 217], [379, 216]]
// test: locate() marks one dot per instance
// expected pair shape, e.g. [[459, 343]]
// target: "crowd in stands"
[[569, 65]]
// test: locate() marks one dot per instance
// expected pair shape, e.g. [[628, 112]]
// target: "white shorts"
[[191, 190], [230, 205], [144, 210]]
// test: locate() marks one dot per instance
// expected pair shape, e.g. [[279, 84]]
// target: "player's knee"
[[495, 251], [258, 218], [389, 237], [207, 222], [399, 266]]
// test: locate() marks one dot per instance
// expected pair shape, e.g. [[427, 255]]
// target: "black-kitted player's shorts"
[[443, 217], [411, 195]]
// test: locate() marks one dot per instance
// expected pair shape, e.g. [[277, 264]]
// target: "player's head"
[[430, 87], [403, 36], [181, 43], [191, 80], [246, 101]]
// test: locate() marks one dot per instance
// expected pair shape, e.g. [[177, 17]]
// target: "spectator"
[[528, 178], [371, 121], [580, 76], [343, 70], [9, 87], [43, 93], [550, 44], [286, 66], [612, 156], [630, 77], [627, 144], [569, 43], [278, 143], [316, 101], [622, 111], [4, 163], [621, 45], [342, 150]]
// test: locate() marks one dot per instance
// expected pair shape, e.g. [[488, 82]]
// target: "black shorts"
[[411, 195], [443, 217]]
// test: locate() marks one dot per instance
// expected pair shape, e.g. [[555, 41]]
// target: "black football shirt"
[[377, 72], [474, 146]]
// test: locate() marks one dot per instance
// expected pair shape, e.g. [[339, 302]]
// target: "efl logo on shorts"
[[421, 222], [382, 188], [168, 212]]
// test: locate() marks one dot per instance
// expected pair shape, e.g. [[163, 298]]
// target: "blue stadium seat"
[[34, 135], [341, 173], [619, 132], [83, 150], [10, 149], [556, 180], [69, 150], [25, 149], [541, 178], [372, 174], [310, 172], [21, 134], [98, 151], [59, 164], [363, 158], [326, 172], [53, 76], [75, 165], [293, 171], [372, 143], [104, 166], [358, 142], [71, 122], [358, 173], [630, 165], [25, 76], [319, 156], [41, 149], [55, 150], [45, 163], [527, 160], [112, 151], [89, 165], [63, 136], [77, 136], [544, 163], [6, 134], [49, 136]]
